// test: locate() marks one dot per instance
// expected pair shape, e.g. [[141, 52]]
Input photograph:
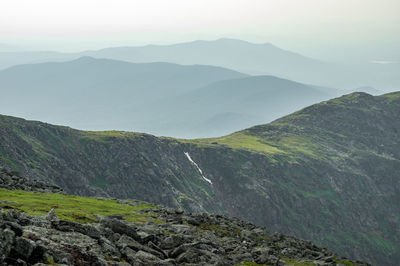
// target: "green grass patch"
[[239, 140], [249, 263], [111, 133], [106, 136], [287, 144], [299, 144], [392, 96], [344, 262], [72, 208], [297, 263]]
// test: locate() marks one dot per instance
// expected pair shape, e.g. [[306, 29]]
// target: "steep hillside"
[[328, 173], [43, 227]]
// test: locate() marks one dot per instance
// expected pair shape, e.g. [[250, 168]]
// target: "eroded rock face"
[[178, 239], [333, 180]]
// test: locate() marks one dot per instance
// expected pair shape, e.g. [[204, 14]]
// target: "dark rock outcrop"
[[216, 240], [13, 180], [177, 238]]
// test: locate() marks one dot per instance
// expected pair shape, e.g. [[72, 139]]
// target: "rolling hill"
[[230, 105], [96, 93], [242, 56], [327, 173], [158, 98]]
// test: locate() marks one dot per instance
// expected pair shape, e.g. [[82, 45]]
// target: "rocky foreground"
[[171, 237]]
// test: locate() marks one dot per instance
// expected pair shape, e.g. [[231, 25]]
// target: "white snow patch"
[[198, 168], [333, 184]]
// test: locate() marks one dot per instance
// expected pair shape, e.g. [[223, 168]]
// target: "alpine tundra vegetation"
[[327, 173], [43, 226], [186, 132]]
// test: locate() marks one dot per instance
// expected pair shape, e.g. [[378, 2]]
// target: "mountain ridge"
[[251, 58], [235, 104], [318, 162], [159, 98], [39, 226], [101, 89]]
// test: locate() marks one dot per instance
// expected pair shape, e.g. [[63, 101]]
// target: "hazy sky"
[[302, 25]]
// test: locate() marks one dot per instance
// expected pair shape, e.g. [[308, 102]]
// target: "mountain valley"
[[210, 133], [158, 98], [327, 173]]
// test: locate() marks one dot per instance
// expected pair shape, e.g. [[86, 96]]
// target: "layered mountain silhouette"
[[249, 58], [230, 105], [158, 98], [328, 173]]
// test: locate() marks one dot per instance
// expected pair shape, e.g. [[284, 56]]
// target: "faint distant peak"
[[220, 41], [85, 59], [238, 41], [231, 40], [89, 60]]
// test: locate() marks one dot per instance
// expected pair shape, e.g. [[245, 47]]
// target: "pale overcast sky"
[[303, 24]]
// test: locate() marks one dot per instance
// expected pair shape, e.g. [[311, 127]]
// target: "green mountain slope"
[[328, 173], [42, 225]]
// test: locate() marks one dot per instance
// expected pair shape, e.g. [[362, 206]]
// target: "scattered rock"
[[179, 239], [52, 216], [13, 180]]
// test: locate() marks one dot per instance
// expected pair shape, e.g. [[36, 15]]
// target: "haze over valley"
[[199, 94], [183, 132]]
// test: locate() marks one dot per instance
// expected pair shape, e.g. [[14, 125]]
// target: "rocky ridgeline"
[[172, 237], [12, 180], [178, 239]]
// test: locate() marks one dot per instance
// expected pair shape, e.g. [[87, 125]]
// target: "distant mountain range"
[[159, 98], [327, 173], [226, 106], [249, 58], [314, 167]]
